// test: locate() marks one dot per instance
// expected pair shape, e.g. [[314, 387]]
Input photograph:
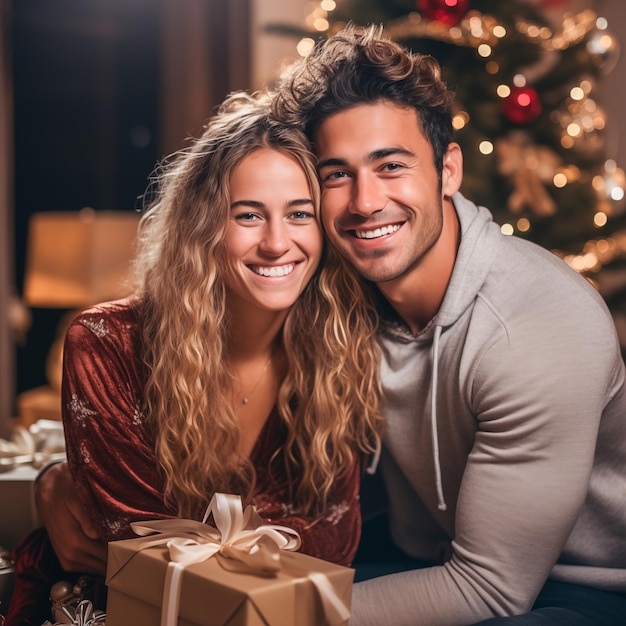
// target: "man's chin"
[[369, 266]]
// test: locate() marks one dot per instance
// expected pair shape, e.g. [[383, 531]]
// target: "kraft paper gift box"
[[218, 591]]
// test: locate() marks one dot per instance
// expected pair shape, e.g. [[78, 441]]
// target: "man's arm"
[[72, 534], [538, 394]]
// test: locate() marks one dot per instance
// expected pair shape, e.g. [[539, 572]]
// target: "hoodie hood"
[[472, 263]]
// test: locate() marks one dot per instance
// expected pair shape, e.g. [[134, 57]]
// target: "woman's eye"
[[302, 215], [246, 217]]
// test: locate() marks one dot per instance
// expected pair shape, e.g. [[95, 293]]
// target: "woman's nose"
[[276, 240]]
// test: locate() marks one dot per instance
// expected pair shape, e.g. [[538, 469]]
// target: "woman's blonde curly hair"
[[329, 398]]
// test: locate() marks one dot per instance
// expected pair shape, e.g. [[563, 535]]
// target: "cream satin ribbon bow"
[[239, 535]]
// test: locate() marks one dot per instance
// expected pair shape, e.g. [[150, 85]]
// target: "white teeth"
[[378, 232], [281, 270]]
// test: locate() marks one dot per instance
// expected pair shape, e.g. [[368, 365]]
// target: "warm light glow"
[[499, 31], [477, 30], [574, 130], [559, 180], [485, 147], [523, 225], [321, 24], [78, 258], [576, 93], [602, 245], [597, 182], [507, 229], [600, 219], [519, 80], [484, 50], [328, 5], [602, 23], [545, 33], [587, 123], [606, 42], [460, 120], [584, 262], [305, 46], [504, 91], [492, 67]]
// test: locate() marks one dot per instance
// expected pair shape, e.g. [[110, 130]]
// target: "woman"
[[242, 365]]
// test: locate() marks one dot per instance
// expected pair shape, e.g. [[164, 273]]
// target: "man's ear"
[[452, 173]]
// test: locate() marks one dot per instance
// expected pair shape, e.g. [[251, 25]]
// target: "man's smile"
[[379, 231]]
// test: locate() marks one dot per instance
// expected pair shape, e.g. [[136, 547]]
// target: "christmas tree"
[[532, 132]]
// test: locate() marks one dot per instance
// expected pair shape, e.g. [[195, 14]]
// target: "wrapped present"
[[239, 572]]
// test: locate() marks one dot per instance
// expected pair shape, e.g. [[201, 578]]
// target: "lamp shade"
[[79, 258]]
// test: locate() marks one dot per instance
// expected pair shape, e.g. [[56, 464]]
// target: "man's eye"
[[334, 177], [392, 167]]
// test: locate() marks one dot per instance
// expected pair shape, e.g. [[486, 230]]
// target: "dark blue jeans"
[[562, 604]]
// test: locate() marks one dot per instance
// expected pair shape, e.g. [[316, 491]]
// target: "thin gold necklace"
[[246, 397]]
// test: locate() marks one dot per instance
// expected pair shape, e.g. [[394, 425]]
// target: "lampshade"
[[79, 258]]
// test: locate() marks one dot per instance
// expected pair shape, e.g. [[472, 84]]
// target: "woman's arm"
[[109, 451]]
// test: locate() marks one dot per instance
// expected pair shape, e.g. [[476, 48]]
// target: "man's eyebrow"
[[385, 152], [331, 163], [374, 155]]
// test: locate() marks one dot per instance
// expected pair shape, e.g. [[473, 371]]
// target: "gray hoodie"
[[505, 446]]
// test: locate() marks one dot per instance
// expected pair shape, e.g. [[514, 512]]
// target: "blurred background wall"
[[93, 95]]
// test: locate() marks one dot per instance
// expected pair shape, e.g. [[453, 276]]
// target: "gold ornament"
[[529, 167]]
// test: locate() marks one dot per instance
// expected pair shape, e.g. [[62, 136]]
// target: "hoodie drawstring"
[[373, 466], [441, 503]]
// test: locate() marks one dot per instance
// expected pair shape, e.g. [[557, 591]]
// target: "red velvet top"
[[111, 455]]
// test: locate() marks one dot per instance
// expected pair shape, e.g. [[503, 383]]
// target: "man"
[[505, 448]]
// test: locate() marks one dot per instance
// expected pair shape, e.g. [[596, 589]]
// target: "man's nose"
[[367, 196]]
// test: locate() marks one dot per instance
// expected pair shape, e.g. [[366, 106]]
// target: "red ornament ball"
[[522, 105], [448, 12]]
